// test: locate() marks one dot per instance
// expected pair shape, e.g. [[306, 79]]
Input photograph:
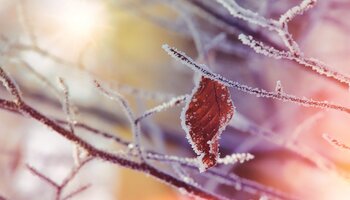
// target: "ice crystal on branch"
[[297, 10], [279, 88], [234, 158], [183, 58], [263, 49]]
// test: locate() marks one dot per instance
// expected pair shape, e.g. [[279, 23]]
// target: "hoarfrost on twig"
[[173, 102], [279, 88], [297, 10], [135, 127], [236, 157], [281, 28], [263, 49], [187, 61], [247, 15]]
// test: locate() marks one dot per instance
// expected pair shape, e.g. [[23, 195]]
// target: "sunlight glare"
[[81, 19]]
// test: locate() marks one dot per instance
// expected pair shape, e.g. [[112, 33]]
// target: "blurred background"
[[118, 42]]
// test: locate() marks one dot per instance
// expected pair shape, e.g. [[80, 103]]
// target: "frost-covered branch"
[[297, 10], [135, 126], [281, 28], [314, 64], [112, 157], [229, 159], [237, 11], [187, 61], [173, 102], [263, 49], [21, 107], [237, 182], [11, 87], [66, 104], [273, 25]]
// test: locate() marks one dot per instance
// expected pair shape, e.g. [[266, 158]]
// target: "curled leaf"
[[204, 117]]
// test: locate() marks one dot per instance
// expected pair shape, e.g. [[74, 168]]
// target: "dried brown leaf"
[[204, 117]]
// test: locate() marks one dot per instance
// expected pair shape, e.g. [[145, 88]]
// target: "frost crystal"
[[234, 158], [297, 10], [263, 49], [279, 88]]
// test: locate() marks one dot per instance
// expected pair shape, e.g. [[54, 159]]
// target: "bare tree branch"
[[106, 156]]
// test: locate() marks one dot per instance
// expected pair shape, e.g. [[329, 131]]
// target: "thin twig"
[[336, 143], [66, 104], [42, 176], [95, 131], [173, 102], [75, 171], [60, 187], [42, 78], [77, 192], [135, 126], [71, 176]]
